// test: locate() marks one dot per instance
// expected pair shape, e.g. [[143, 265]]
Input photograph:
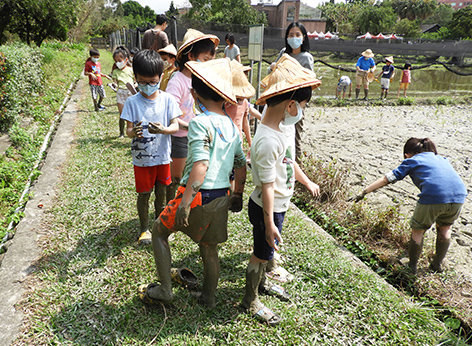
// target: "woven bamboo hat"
[[389, 59], [368, 53], [241, 86], [217, 75], [288, 75], [169, 49], [192, 36]]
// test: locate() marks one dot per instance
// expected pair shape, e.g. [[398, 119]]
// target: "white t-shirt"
[[179, 86], [152, 149], [272, 162], [232, 53]]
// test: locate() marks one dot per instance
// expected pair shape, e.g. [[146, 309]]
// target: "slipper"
[[267, 315], [143, 295], [184, 276], [280, 274], [276, 291], [145, 238]]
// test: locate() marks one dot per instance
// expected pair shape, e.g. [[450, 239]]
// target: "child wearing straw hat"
[[168, 55], [200, 207], [364, 65], [387, 73], [196, 47], [274, 170]]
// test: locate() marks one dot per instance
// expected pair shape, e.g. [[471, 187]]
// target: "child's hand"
[[313, 188], [155, 127], [181, 216], [272, 233], [94, 77], [138, 130], [236, 202], [359, 197]]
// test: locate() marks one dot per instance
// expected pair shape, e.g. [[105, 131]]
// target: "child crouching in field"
[[274, 171], [442, 195], [151, 117], [200, 207]]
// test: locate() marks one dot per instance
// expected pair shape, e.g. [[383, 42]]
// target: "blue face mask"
[[148, 89], [295, 42], [292, 120], [95, 60]]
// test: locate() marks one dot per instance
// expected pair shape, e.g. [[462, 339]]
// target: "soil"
[[369, 141]]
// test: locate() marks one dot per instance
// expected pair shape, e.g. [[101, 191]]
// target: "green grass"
[[83, 291]]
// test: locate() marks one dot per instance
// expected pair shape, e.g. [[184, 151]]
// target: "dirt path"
[[370, 140]]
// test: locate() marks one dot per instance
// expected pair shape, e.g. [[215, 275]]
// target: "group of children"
[[186, 122]]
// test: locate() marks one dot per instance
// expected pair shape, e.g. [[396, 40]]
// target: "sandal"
[[184, 276], [276, 291], [144, 296], [280, 274], [145, 238], [267, 315]]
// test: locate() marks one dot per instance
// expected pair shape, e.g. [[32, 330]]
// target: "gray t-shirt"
[[304, 58], [232, 53]]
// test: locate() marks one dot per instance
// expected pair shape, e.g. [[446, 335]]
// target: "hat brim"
[[282, 89], [187, 44], [389, 60], [368, 55], [209, 75]]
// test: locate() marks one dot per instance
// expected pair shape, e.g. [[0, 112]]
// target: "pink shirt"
[[179, 86], [237, 113], [406, 76]]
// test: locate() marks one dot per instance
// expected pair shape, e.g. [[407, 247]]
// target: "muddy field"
[[370, 141]]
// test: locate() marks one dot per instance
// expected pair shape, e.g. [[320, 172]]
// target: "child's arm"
[[350, 90], [272, 232], [236, 202], [88, 73], [134, 131], [302, 178], [183, 125], [105, 75], [195, 181], [255, 113], [158, 128], [247, 130], [381, 182]]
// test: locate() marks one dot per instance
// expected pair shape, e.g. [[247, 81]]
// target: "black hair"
[[199, 47], [167, 54], [134, 51], [161, 19], [299, 95], [306, 42], [419, 145], [204, 91], [123, 51], [230, 38], [93, 52], [407, 65], [148, 63]]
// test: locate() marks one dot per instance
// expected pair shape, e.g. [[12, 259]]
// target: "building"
[[456, 4], [287, 11]]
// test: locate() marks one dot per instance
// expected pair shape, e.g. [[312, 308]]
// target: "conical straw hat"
[[169, 49], [192, 36], [389, 59], [288, 75], [217, 75], [241, 86]]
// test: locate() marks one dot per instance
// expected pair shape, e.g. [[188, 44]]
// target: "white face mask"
[[95, 60], [121, 64], [295, 42], [166, 64], [292, 120]]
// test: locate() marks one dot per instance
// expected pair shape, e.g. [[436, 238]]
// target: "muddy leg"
[[415, 248], [254, 272], [143, 211], [443, 240], [357, 93], [95, 105], [211, 273], [160, 202]]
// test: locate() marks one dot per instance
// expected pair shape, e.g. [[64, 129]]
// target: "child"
[[405, 79], [122, 74], [168, 55], [132, 53], [200, 208], [441, 198], [232, 50], [343, 83], [243, 90], [93, 69], [387, 73], [297, 45], [274, 170], [196, 47], [151, 117]]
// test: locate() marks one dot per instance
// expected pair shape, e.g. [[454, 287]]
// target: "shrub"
[[406, 101]]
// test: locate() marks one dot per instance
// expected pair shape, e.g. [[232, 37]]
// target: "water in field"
[[431, 82]]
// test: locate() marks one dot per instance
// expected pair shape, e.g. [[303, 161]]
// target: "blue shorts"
[[262, 249]]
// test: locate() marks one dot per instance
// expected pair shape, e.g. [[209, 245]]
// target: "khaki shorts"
[[404, 86], [425, 215], [122, 95], [361, 78]]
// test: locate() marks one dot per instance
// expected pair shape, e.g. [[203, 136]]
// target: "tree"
[[461, 24], [340, 16], [375, 18], [172, 11], [442, 15], [408, 28], [414, 9]]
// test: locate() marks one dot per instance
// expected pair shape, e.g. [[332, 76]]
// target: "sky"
[[160, 6]]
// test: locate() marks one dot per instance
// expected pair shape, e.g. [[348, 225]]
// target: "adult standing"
[[365, 64], [156, 38]]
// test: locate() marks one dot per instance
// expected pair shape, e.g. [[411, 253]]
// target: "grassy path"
[[84, 289]]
